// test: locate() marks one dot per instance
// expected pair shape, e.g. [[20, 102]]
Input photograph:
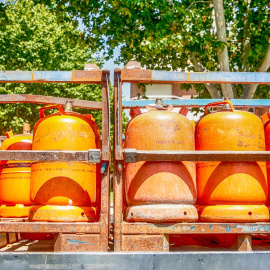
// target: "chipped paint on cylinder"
[[240, 184], [160, 182], [15, 178], [58, 184]]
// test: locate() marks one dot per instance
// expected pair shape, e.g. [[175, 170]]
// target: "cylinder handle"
[[9, 134], [59, 107], [218, 103], [265, 118]]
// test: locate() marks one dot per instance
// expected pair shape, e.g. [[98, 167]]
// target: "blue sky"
[[111, 66]]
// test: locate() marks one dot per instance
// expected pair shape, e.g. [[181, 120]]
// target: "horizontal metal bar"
[[50, 100], [46, 227], [133, 155], [76, 76], [212, 77], [162, 76], [195, 228], [196, 103], [91, 156]]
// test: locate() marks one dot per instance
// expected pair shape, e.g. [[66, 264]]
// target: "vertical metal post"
[[117, 177], [105, 179]]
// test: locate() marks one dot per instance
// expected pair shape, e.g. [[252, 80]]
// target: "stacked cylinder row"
[[52, 191], [211, 191], [154, 191]]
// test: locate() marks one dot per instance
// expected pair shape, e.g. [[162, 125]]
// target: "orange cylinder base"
[[17, 211], [57, 213], [233, 213], [162, 213]]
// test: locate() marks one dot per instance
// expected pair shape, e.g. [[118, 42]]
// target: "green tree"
[[217, 35], [33, 37]]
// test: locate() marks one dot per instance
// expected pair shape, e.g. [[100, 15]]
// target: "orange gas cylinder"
[[231, 191], [15, 177], [160, 191], [266, 120], [65, 191]]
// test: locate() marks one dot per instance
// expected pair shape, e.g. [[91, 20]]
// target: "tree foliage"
[[34, 37], [181, 34]]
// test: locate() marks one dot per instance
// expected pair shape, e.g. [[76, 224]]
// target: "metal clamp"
[[94, 156]]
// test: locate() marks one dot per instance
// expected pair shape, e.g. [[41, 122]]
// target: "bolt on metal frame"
[[94, 234], [131, 236]]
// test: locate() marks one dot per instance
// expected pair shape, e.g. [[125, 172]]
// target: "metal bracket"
[[94, 156], [130, 155]]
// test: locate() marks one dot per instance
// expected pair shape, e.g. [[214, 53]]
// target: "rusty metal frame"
[[133, 155], [90, 75], [91, 156], [133, 72], [124, 231], [195, 228], [50, 227], [38, 99], [198, 103]]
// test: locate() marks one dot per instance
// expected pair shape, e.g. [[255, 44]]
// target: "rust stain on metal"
[[50, 100], [75, 242], [93, 76], [137, 75], [51, 155], [133, 155], [195, 228], [145, 243], [45, 227]]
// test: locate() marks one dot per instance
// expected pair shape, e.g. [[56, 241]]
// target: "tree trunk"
[[246, 45], [223, 56], [263, 68], [212, 88]]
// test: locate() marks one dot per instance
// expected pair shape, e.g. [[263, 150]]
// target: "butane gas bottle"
[[231, 191], [160, 191], [15, 177], [65, 191], [266, 120]]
